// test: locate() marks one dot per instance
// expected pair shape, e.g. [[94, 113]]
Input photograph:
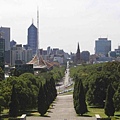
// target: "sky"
[[63, 23]]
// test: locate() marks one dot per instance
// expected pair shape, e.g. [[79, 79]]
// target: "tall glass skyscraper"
[[32, 38], [2, 55], [6, 35], [102, 46]]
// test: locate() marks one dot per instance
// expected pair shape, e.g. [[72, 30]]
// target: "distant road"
[[66, 80]]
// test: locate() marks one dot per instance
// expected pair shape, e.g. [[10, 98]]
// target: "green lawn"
[[92, 112], [100, 111]]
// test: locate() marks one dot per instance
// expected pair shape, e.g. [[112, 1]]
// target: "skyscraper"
[[2, 54], [6, 35], [102, 46], [32, 38]]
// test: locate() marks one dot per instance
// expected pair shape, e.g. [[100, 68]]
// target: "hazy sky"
[[63, 23]]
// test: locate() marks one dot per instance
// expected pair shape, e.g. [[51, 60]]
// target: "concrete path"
[[62, 110]]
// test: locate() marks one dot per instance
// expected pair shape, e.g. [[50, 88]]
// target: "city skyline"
[[64, 23]]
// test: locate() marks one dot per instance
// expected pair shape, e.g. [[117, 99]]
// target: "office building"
[[2, 55], [5, 31], [6, 35], [19, 53], [102, 46], [32, 38], [85, 55], [12, 43]]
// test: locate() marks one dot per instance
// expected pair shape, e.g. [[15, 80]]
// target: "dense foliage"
[[96, 79], [13, 111], [58, 73], [1, 74], [47, 94], [27, 87], [79, 97], [109, 105]]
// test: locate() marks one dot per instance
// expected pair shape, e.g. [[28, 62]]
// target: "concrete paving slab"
[[63, 109]]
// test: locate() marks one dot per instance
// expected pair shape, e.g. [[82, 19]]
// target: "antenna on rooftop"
[[37, 28], [38, 52], [32, 21]]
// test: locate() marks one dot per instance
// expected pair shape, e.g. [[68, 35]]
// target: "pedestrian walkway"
[[62, 110]]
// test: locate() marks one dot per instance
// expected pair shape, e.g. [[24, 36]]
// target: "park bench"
[[23, 117], [97, 116]]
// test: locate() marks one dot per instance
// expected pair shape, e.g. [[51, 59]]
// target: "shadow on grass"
[[84, 115], [2, 117], [49, 111], [37, 115], [53, 104], [44, 116], [51, 107], [95, 107], [118, 115]]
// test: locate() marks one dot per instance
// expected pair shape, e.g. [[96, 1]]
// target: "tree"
[[13, 110], [97, 89], [2, 102], [1, 74], [42, 104], [79, 98], [117, 99], [109, 105]]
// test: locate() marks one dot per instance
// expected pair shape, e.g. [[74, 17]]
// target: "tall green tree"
[[109, 105], [79, 98], [116, 99], [1, 74], [2, 102], [42, 104], [14, 106]]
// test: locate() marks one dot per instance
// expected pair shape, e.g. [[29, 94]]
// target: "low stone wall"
[[97, 117], [23, 117]]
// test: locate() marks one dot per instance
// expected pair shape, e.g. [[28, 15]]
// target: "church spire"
[[78, 60], [78, 49]]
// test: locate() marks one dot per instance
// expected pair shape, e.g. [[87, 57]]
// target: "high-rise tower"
[[2, 54], [102, 46], [6, 36], [33, 38]]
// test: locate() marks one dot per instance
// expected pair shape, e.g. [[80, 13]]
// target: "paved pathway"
[[62, 110]]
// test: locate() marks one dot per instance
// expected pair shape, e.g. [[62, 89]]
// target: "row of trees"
[[96, 79], [46, 95], [27, 87]]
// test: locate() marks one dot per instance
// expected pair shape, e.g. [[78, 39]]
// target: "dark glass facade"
[[32, 38], [2, 54]]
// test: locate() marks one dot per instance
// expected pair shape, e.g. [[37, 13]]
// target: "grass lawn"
[[92, 112], [100, 111]]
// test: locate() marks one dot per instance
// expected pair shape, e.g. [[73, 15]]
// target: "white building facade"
[[20, 53]]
